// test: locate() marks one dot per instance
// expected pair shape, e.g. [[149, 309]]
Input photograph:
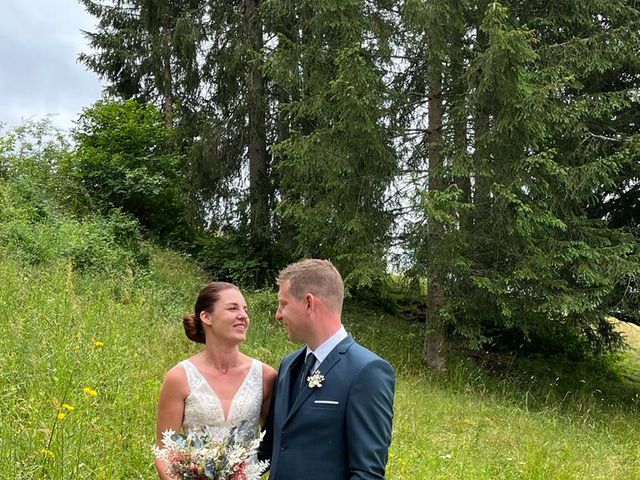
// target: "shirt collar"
[[325, 348]]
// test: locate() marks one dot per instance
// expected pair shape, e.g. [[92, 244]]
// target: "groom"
[[333, 404]]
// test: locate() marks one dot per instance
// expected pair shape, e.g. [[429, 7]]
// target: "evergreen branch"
[[603, 137]]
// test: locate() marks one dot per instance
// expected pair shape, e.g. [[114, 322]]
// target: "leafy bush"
[[126, 159], [37, 232], [39, 157], [232, 256], [42, 215]]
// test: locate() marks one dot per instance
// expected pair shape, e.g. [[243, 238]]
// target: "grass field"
[[82, 360]]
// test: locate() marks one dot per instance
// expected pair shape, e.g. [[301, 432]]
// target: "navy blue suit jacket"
[[340, 431]]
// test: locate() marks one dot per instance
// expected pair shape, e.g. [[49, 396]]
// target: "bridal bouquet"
[[210, 454]]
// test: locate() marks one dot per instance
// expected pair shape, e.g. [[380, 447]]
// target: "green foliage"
[[126, 159], [147, 49], [336, 161], [199, 62], [522, 259], [35, 232], [39, 159], [547, 268], [533, 420], [515, 124], [44, 216], [232, 256]]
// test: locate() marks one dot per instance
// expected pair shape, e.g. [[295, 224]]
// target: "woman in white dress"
[[220, 386]]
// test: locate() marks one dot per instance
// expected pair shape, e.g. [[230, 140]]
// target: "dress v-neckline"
[[215, 395]]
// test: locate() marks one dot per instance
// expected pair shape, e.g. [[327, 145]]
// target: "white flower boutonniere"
[[315, 379]]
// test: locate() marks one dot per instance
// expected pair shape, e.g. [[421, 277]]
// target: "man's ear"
[[311, 302]]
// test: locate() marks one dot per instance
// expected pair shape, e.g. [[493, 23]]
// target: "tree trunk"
[[159, 23], [459, 113], [258, 156], [481, 195], [482, 185], [434, 341], [167, 104]]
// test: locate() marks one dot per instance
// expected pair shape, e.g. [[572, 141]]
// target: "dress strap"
[[256, 376], [257, 365], [194, 377]]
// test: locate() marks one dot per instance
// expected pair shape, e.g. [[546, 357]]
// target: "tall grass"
[[78, 375], [84, 354]]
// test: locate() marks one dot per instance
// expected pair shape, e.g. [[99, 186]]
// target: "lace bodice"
[[202, 406]]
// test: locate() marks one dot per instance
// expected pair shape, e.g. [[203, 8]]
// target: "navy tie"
[[306, 370]]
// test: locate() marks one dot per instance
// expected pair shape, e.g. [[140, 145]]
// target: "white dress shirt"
[[325, 348]]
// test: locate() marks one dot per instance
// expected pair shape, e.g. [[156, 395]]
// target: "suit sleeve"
[[369, 419]]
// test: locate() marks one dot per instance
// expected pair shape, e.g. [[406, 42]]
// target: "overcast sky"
[[39, 74]]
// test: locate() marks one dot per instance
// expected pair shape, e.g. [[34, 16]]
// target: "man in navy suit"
[[333, 402]]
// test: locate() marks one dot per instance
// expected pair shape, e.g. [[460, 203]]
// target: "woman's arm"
[[173, 393], [268, 381]]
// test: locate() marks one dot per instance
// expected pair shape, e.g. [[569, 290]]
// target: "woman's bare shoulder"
[[176, 377], [268, 373]]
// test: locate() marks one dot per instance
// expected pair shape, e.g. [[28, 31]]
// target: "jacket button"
[[283, 446]]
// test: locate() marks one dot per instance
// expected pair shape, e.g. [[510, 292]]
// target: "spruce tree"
[[336, 160], [201, 63], [520, 255]]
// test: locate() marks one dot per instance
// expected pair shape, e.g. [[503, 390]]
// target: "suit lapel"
[[286, 379], [324, 368]]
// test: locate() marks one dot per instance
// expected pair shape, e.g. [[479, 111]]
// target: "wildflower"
[[61, 416], [90, 391], [67, 407], [98, 344], [47, 453]]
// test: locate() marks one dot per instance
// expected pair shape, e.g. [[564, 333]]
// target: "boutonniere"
[[315, 379]]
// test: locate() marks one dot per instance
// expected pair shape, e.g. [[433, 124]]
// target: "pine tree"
[[146, 49], [336, 160], [558, 266], [201, 62], [507, 231]]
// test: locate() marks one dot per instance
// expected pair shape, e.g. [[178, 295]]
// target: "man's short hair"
[[318, 277]]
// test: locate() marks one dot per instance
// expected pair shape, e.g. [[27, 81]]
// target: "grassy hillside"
[[83, 357]]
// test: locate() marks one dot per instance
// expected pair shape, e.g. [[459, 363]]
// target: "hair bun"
[[193, 328]]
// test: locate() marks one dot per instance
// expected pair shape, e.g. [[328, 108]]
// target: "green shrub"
[[44, 217], [38, 157], [127, 159], [232, 256], [37, 232]]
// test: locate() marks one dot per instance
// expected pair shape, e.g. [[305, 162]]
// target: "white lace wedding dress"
[[203, 408]]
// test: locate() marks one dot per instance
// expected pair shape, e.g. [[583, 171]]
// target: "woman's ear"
[[205, 317]]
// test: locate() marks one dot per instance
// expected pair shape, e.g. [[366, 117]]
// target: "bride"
[[220, 386]]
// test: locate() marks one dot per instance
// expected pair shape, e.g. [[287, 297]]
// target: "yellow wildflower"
[[47, 453], [68, 407], [98, 344], [61, 416], [90, 391]]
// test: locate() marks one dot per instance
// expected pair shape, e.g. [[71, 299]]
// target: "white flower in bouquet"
[[211, 454]]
